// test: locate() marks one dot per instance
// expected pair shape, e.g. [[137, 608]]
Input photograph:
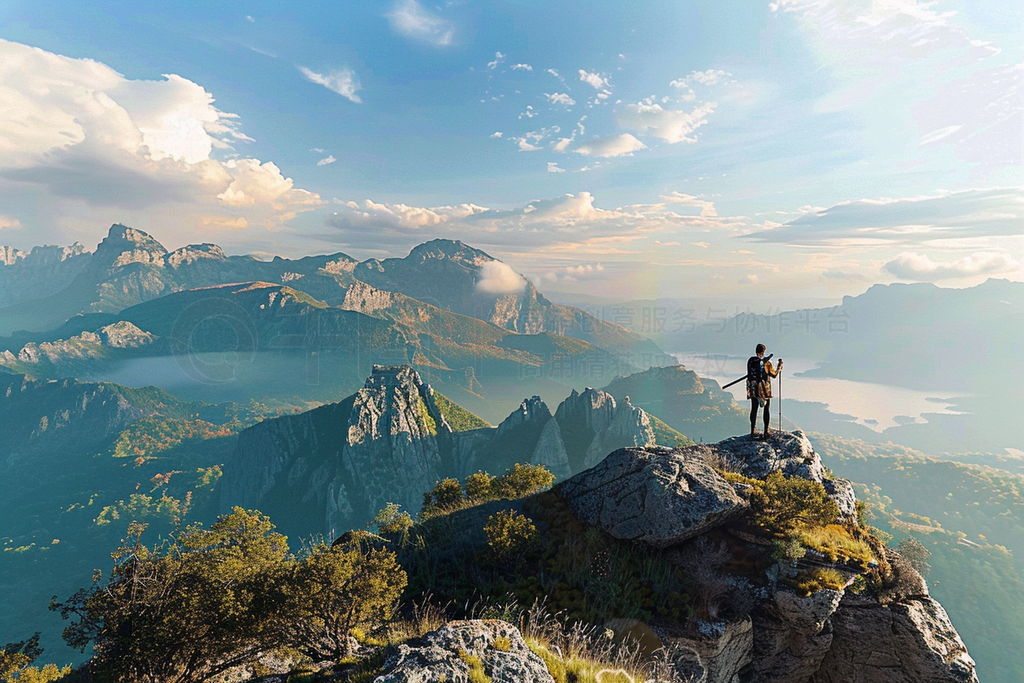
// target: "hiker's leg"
[[753, 415], [767, 414]]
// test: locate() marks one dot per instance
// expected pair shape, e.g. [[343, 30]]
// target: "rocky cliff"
[[893, 633], [333, 467]]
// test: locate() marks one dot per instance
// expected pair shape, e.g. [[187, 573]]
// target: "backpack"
[[755, 368]]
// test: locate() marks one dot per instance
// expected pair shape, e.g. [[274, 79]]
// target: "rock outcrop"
[[592, 425], [494, 648], [389, 442], [653, 495], [662, 497]]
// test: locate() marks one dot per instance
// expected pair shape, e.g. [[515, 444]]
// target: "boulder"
[[908, 641], [655, 495], [445, 655]]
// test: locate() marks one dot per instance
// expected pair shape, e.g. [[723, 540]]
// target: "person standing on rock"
[[759, 387]]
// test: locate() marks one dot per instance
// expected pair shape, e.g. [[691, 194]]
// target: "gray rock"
[[654, 495], [909, 641], [550, 451], [441, 656], [719, 657], [530, 410], [788, 452], [793, 634]]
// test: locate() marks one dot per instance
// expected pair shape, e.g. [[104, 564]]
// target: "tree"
[[207, 601], [15, 657], [336, 590]]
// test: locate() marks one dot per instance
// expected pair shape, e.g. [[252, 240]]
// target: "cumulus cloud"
[[552, 168], [341, 81], [77, 129], [612, 146], [9, 223], [499, 278], [575, 273], [919, 267], [522, 67], [410, 19], [709, 77], [672, 126], [594, 80], [326, 161], [994, 212], [560, 98], [572, 221]]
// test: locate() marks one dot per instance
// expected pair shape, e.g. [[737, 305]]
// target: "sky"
[[752, 151]]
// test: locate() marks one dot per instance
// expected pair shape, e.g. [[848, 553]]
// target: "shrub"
[[809, 582], [522, 480], [518, 482], [509, 534], [337, 590], [392, 521], [446, 495], [478, 486], [16, 657], [208, 600], [783, 549], [781, 505]]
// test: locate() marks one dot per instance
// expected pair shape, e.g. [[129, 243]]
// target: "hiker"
[[759, 387]]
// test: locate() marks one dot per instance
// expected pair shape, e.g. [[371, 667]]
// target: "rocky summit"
[[663, 497]]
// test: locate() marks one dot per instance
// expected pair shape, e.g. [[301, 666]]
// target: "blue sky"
[[783, 150]]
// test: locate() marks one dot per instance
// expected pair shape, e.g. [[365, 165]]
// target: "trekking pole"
[[780, 396]]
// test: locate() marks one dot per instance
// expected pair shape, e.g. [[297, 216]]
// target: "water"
[[876, 406]]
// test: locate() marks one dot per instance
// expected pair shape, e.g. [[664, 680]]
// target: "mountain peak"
[[454, 250], [124, 245]]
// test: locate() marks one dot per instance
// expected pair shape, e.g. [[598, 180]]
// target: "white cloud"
[[341, 81], [76, 130], [499, 278], [571, 221], [498, 57], [594, 80], [612, 146], [326, 161], [670, 125], [994, 212], [497, 134], [522, 67], [915, 266], [552, 168], [412, 20], [9, 223], [560, 98], [576, 273], [709, 77]]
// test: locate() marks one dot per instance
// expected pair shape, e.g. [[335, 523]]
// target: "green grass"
[[458, 417]]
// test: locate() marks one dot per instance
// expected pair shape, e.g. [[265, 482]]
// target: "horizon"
[[783, 151]]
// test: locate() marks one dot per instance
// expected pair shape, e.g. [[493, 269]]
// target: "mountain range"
[[219, 327], [319, 390]]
